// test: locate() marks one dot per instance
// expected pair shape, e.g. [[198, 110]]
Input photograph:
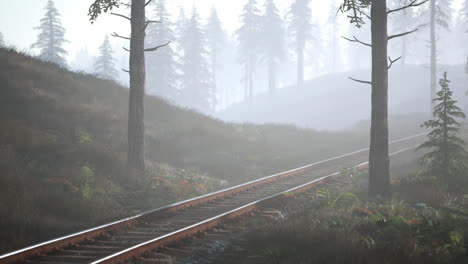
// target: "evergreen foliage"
[[161, 66], [196, 82], [403, 21], [2, 42], [300, 29], [446, 156], [272, 41], [443, 14], [104, 66], [216, 38], [51, 37], [249, 44]]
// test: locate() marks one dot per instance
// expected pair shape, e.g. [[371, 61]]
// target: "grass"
[[63, 151], [340, 227]]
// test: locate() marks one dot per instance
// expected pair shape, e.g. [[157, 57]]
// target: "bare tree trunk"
[[433, 55], [379, 177], [334, 47], [271, 76], [300, 67], [135, 154], [403, 53]]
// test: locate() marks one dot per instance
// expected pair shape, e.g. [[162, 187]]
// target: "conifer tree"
[[464, 16], [104, 66], [137, 72], [161, 66], [216, 38], [437, 15], [249, 42], [272, 42], [379, 160], [2, 42], [51, 37], [335, 28], [179, 26], [196, 82], [300, 28], [446, 156], [403, 21]]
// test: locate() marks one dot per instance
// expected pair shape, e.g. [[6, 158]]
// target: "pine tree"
[[300, 29], [137, 73], [179, 27], [272, 42], [379, 160], [335, 28], [446, 154], [216, 38], [403, 21], [249, 42], [161, 66], [196, 83], [464, 16], [437, 15], [2, 42], [104, 66], [51, 37]]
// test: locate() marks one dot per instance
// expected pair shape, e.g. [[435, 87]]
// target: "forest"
[[253, 131]]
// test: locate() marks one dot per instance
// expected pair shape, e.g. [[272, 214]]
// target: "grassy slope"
[[62, 151]]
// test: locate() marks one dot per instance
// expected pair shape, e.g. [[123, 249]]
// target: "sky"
[[18, 19]]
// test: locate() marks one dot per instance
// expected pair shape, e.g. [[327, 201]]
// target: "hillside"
[[62, 152], [345, 102]]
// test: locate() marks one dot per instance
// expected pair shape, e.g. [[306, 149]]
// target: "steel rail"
[[153, 244], [76, 238]]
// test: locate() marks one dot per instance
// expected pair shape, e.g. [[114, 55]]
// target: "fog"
[[231, 89]]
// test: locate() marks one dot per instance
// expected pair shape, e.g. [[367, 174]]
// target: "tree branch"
[[358, 41], [401, 34], [412, 4], [122, 16], [118, 36], [126, 49], [127, 71], [147, 3], [392, 61], [149, 22], [158, 47], [360, 81]]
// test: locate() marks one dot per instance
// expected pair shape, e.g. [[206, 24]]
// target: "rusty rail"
[[76, 238], [150, 245]]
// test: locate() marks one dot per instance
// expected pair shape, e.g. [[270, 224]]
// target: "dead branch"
[[149, 22], [127, 71], [392, 61], [124, 48], [412, 4], [147, 3], [158, 47], [118, 36], [401, 34], [360, 81], [358, 41], [122, 16]]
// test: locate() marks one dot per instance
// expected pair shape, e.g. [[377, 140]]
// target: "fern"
[[87, 182]]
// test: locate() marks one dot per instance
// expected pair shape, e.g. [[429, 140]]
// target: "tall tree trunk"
[[334, 47], [379, 177], [433, 54], [135, 154], [271, 76], [403, 53], [300, 67]]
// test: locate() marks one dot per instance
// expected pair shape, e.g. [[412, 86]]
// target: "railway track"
[[128, 238]]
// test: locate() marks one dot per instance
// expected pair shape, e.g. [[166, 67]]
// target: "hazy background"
[[327, 92]]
